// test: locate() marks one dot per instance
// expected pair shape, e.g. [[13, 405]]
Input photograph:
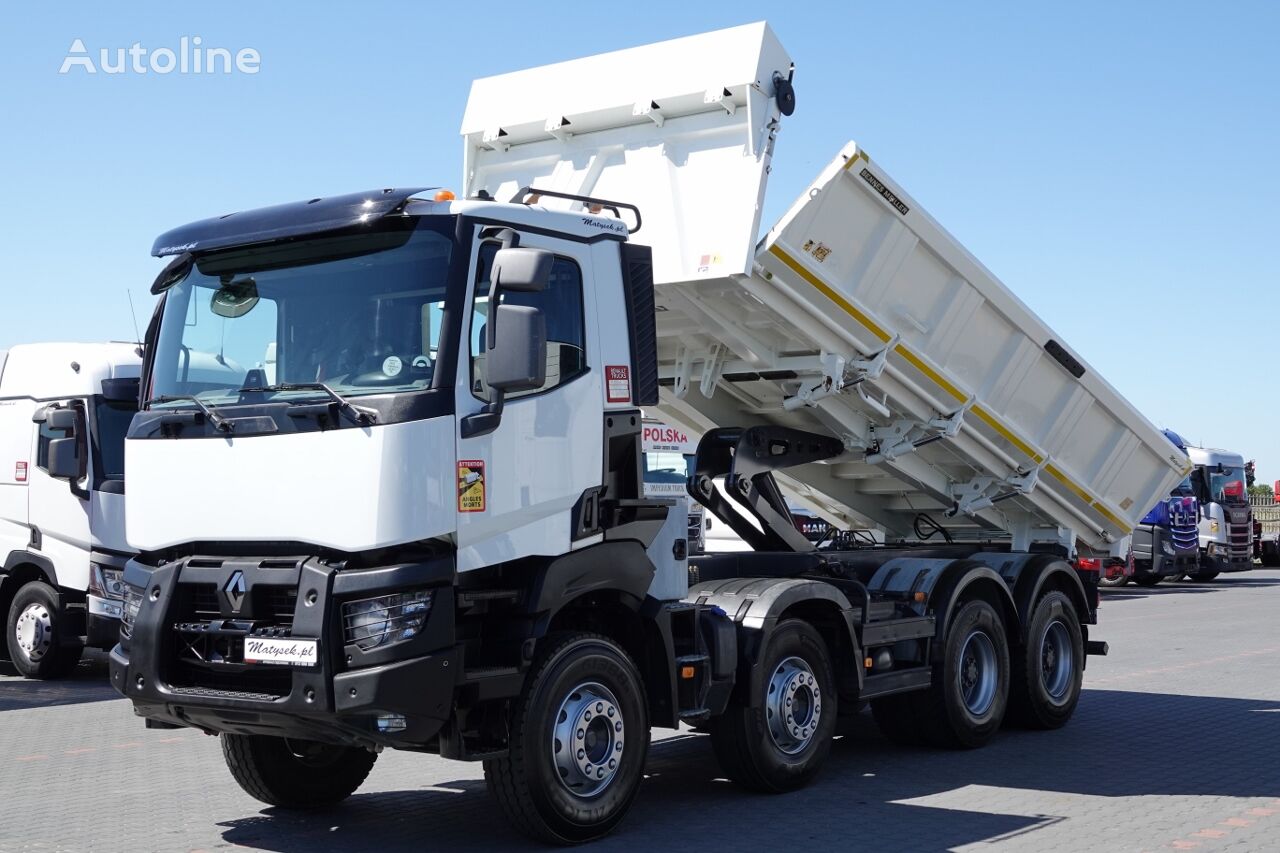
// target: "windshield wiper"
[[363, 417], [219, 422]]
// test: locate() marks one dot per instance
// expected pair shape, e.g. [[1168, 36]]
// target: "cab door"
[[58, 508], [517, 485]]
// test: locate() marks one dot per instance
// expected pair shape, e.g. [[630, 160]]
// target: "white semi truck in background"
[[64, 412], [1226, 520], [428, 529]]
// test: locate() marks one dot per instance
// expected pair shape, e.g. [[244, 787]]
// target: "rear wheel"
[[579, 738], [781, 743], [966, 703], [34, 632], [1046, 682], [1203, 575], [295, 774], [1113, 580]]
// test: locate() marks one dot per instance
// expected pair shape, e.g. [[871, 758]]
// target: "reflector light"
[[445, 195]]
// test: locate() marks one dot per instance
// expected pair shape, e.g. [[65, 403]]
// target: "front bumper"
[[1220, 562], [182, 661], [102, 628]]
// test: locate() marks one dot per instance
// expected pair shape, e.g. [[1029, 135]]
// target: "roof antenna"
[[134, 313]]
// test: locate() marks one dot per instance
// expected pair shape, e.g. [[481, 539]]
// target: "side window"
[[561, 304]]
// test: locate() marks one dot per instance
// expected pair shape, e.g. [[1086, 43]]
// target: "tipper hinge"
[[840, 372], [983, 492], [907, 436]]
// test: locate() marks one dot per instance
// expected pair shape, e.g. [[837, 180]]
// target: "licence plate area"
[[281, 652]]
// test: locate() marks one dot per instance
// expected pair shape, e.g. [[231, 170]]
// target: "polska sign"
[[665, 436]]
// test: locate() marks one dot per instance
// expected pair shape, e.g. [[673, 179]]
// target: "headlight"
[[106, 583], [132, 603], [387, 619]]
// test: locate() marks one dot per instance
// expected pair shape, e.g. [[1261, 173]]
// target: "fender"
[[622, 567], [949, 592], [756, 604], [41, 562], [1029, 574]]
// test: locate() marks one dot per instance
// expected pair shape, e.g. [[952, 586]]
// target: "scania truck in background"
[[1226, 520], [428, 530], [1166, 543], [668, 464], [64, 412]]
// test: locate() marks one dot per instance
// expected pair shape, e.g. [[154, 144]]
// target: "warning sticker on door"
[[617, 384], [470, 485]]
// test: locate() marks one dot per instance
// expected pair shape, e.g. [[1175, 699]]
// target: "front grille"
[[263, 683], [275, 604], [198, 601], [1240, 540]]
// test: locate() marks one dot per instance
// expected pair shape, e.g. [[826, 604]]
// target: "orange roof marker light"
[[445, 195]]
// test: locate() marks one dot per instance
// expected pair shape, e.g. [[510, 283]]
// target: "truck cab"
[[64, 412], [668, 465], [1166, 543], [1226, 520]]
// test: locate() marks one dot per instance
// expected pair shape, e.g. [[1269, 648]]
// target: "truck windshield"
[[1227, 486], [360, 313], [111, 420], [666, 472]]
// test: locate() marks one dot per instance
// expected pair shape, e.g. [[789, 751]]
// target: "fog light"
[[391, 723], [373, 622]]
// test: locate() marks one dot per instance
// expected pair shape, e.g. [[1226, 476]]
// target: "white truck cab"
[[64, 412], [1226, 520]]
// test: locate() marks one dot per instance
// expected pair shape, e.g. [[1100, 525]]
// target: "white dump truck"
[[428, 529], [64, 412]]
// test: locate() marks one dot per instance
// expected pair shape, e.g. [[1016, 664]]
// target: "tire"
[[1046, 680], [33, 630], [1146, 579], [295, 774], [1203, 576], [781, 744], [954, 713], [1111, 583], [582, 687]]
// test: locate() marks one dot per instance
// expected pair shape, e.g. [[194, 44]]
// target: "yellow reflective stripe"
[[919, 364], [799, 270], [1007, 434], [858, 155]]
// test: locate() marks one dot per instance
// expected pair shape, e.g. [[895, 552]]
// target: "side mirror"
[[62, 419], [517, 361], [64, 457], [120, 390], [521, 270]]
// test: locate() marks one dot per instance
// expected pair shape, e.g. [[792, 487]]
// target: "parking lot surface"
[[1176, 745]]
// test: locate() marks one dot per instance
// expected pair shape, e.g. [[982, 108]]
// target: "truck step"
[[900, 681], [472, 597], [897, 630], [695, 715], [691, 660]]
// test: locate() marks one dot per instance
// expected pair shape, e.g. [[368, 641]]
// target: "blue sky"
[[1114, 164]]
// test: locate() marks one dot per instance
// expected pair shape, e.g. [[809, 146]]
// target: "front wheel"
[[779, 742], [578, 742], [1146, 579], [34, 632], [295, 774], [1048, 678], [1203, 575]]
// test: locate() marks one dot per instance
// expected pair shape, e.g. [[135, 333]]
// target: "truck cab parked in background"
[[64, 412], [668, 462], [1226, 521], [1166, 543]]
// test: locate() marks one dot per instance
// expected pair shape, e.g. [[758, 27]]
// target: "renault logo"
[[235, 591]]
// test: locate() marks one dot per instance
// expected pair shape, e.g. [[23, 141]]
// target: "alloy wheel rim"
[[978, 673], [793, 705], [34, 632], [1057, 660], [588, 739]]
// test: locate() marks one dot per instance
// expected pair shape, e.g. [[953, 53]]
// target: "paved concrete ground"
[[1176, 745]]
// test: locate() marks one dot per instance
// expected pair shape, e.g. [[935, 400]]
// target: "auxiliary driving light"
[[373, 622]]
